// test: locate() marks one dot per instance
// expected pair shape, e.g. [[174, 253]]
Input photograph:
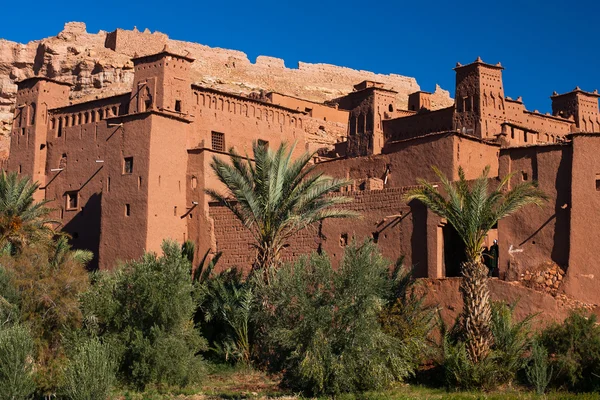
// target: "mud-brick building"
[[126, 172]]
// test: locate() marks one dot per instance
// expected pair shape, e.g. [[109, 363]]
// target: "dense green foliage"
[[143, 311], [275, 197], [538, 371], [320, 325], [90, 375], [16, 363], [511, 342], [575, 346]]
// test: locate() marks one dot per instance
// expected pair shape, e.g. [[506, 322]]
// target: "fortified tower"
[[479, 99], [369, 105], [161, 83], [28, 147], [581, 105]]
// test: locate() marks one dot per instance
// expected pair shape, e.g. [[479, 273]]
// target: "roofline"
[[301, 99], [541, 145], [447, 133], [548, 116], [478, 62], [163, 52], [43, 78], [237, 96], [577, 90], [60, 109], [420, 91]]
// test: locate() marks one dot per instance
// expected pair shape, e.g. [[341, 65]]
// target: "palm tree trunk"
[[476, 310]]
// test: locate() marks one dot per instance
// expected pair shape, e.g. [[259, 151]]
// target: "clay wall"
[[125, 210], [167, 179], [537, 235], [398, 229], [314, 110], [474, 156], [419, 124], [243, 121], [583, 272]]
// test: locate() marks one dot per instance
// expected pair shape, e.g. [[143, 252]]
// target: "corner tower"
[[161, 83], [581, 106], [28, 147], [479, 99]]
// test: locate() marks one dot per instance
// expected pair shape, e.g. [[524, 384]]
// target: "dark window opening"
[[218, 141], [375, 237], [263, 143], [127, 210], [22, 131], [60, 128], [21, 170], [32, 114], [391, 108], [178, 105], [597, 181], [344, 240], [75, 235], [525, 176], [128, 165], [72, 200]]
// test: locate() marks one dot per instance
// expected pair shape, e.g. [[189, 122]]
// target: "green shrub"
[[90, 375], [539, 371], [143, 311], [575, 349], [320, 326], [226, 305], [511, 341], [16, 363]]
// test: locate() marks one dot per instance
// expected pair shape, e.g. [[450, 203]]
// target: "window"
[[21, 169], [178, 105], [72, 200], [175, 211], [343, 240], [218, 141], [127, 210], [128, 165], [598, 182], [525, 176], [263, 143], [60, 128], [391, 108]]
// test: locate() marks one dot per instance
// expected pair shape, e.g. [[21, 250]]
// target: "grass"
[[226, 382]]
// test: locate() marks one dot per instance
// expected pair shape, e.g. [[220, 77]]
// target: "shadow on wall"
[[84, 228], [418, 239]]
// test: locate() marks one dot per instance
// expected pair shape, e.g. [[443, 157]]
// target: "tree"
[[22, 220], [472, 209], [275, 197]]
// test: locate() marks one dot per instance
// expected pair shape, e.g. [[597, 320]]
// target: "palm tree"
[[275, 197], [472, 209], [22, 221]]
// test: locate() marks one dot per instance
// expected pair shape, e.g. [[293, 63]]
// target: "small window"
[[218, 141], [175, 211], [597, 182], [391, 108], [127, 210], [344, 240], [194, 182], [20, 169], [72, 200], [128, 165], [525, 176], [178, 105], [23, 131], [263, 143]]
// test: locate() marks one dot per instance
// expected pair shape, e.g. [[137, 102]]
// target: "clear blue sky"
[[544, 45]]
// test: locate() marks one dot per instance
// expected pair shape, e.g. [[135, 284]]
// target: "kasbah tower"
[[124, 172]]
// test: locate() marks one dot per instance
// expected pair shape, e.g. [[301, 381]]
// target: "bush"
[[511, 341], [90, 374], [539, 371], [226, 305], [16, 363], [320, 326], [575, 349], [143, 311]]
